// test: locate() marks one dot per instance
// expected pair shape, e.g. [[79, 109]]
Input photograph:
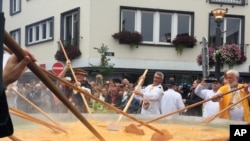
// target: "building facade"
[[38, 25]]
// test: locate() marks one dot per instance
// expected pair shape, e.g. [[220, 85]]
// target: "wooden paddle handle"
[[190, 106], [100, 101], [36, 107], [133, 94], [62, 47], [34, 119], [15, 48], [207, 120], [74, 76], [67, 58]]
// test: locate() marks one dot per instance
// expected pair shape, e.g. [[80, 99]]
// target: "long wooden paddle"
[[100, 101], [37, 108], [116, 126], [207, 120], [190, 106], [74, 76], [24, 115], [15, 48]]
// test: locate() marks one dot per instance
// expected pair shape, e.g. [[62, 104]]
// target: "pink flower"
[[229, 54]]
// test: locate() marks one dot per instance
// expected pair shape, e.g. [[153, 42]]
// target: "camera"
[[211, 80]]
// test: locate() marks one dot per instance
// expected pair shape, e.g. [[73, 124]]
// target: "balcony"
[[229, 2]]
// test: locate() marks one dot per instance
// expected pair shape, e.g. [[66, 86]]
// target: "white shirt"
[[210, 108], [171, 101], [152, 94], [236, 112]]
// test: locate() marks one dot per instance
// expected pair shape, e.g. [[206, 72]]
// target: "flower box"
[[183, 40], [71, 51], [127, 37], [229, 54]]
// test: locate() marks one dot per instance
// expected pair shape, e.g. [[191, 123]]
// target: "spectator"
[[210, 107], [77, 97], [192, 98], [113, 97], [67, 91]]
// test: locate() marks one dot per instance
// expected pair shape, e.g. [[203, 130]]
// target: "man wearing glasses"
[[151, 95]]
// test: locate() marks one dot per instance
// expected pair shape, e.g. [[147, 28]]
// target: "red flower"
[[71, 51], [128, 37], [184, 39]]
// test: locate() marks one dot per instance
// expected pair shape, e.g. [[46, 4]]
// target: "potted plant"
[[229, 54], [183, 40], [71, 51], [127, 37]]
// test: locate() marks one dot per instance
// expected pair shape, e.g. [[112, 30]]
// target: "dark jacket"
[[6, 126], [191, 99]]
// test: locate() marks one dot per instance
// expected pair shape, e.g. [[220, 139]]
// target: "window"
[[15, 6], [40, 31], [70, 27], [231, 30], [16, 35], [157, 26]]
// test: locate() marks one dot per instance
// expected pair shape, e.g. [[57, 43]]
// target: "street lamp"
[[218, 15]]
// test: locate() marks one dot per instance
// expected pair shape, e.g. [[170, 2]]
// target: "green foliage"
[[104, 68]]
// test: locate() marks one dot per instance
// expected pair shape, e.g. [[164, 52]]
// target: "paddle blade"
[[115, 126], [161, 137], [134, 129]]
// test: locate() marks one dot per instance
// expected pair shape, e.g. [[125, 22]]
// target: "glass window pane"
[[30, 35], [44, 32], [14, 6], [75, 30], [128, 20], [233, 30], [68, 26], [37, 33], [165, 27], [16, 35], [147, 26], [183, 24], [50, 29], [212, 32]]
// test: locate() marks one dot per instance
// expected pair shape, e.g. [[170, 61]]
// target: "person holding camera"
[[192, 98], [209, 107]]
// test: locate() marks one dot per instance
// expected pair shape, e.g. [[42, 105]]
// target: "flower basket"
[[229, 54], [71, 51], [127, 37], [183, 40]]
